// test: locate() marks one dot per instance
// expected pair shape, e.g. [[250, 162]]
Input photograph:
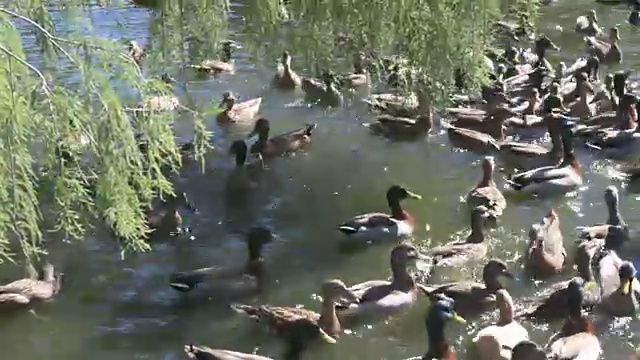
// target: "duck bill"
[[413, 195], [457, 318], [326, 338], [252, 134], [508, 274], [626, 287], [590, 285], [555, 47]]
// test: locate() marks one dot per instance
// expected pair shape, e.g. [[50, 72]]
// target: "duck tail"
[[309, 129], [192, 351], [347, 230], [248, 310]]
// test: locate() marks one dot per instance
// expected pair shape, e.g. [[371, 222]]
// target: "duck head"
[[543, 44], [257, 238], [627, 272], [527, 350], [261, 128], [239, 149], [493, 271], [397, 193], [335, 290], [614, 34], [285, 60], [228, 100], [592, 16], [439, 312], [227, 46]]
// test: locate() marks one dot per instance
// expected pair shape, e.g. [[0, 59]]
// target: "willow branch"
[[11, 54]]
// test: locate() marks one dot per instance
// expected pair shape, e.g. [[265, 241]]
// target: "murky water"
[[113, 309]]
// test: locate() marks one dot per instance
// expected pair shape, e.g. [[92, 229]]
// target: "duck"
[[577, 338], [401, 128], [634, 16], [528, 350], [238, 112], [376, 227], [32, 288], [554, 100], [471, 140], [136, 52], [279, 319], [495, 342], [474, 248], [165, 218], [582, 108], [268, 147], [244, 174], [285, 78], [359, 77], [546, 255], [473, 298], [256, 239], [588, 24], [605, 99], [403, 105], [609, 52], [224, 65], [526, 156], [552, 180], [298, 335], [599, 232], [625, 301], [322, 92], [438, 314], [491, 124], [486, 193]]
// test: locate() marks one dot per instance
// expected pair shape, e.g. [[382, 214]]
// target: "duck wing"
[[28, 288], [197, 352], [523, 149], [490, 197], [582, 346], [539, 175], [189, 280], [275, 315], [371, 220], [457, 254]]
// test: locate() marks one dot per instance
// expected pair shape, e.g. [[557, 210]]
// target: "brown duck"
[[486, 193], [224, 65], [234, 112], [292, 141], [546, 254], [285, 78], [32, 288], [474, 248]]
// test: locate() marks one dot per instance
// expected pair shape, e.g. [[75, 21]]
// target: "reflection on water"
[[112, 308]]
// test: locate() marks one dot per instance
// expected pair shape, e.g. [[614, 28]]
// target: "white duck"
[[378, 226], [383, 297], [552, 180], [495, 342]]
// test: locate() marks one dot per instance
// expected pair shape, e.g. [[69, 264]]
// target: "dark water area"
[[124, 309]]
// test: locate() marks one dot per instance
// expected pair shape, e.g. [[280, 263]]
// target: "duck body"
[[322, 92], [474, 248], [548, 180], [238, 112], [401, 128], [471, 140], [608, 52], [224, 65], [375, 227], [546, 254], [281, 144], [25, 291], [402, 105]]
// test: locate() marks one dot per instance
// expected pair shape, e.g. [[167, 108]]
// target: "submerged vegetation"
[[64, 82]]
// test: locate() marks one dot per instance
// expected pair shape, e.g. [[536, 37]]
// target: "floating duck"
[[285, 78], [224, 65], [625, 301], [31, 289], [608, 52], [588, 24], [292, 141], [546, 255], [486, 193], [238, 112], [474, 248]]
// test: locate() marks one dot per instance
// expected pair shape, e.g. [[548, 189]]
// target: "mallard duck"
[[474, 248], [495, 342], [582, 108], [279, 319], [224, 65], [471, 140], [546, 254], [550, 180], [439, 313], [577, 338], [486, 193], [298, 334], [234, 112], [473, 298], [379, 226], [608, 52], [257, 238], [358, 78], [588, 24], [383, 297], [527, 156], [491, 124], [322, 92], [541, 46], [289, 142], [285, 78], [165, 217], [401, 128], [625, 301], [614, 219], [406, 105], [241, 179], [136, 51], [25, 291]]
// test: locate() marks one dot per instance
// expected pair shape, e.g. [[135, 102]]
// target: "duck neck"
[[506, 314], [615, 218], [438, 346], [477, 234], [396, 209], [491, 282], [556, 143], [400, 277], [328, 318], [487, 178], [294, 352]]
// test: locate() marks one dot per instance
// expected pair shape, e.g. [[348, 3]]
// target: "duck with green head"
[[625, 301], [375, 227]]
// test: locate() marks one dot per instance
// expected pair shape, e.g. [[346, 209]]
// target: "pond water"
[[123, 309]]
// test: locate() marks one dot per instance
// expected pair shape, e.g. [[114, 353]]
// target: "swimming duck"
[[224, 65], [136, 51], [526, 156], [605, 99], [474, 248], [495, 342], [323, 92], [30, 289], [298, 335], [553, 100], [491, 123], [238, 112], [257, 238], [279, 319], [548, 180], [285, 78], [379, 226], [528, 350], [358, 78], [165, 217], [266, 147], [486, 193], [404, 105], [242, 178], [577, 338], [401, 128], [472, 298], [625, 300], [546, 255], [608, 52], [588, 24], [439, 313], [383, 297], [614, 219], [471, 140]]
